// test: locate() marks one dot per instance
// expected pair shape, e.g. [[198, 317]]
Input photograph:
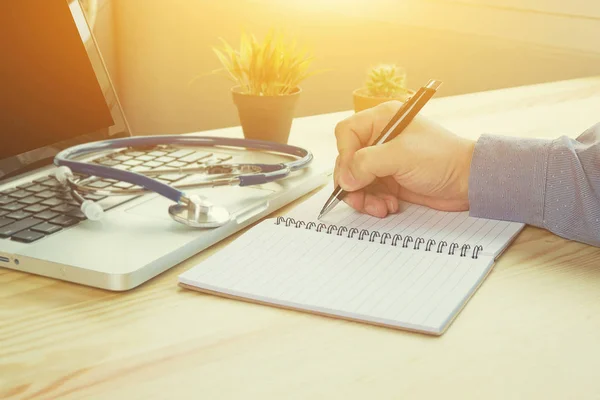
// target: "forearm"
[[552, 184]]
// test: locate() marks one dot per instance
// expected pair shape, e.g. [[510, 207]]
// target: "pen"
[[397, 124]]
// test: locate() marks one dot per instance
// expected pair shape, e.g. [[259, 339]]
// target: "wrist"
[[464, 172]]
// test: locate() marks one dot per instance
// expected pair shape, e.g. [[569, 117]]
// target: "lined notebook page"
[[416, 221], [339, 276]]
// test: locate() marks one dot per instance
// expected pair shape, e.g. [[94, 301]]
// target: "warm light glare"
[[337, 6]]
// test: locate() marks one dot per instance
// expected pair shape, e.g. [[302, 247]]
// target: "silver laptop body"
[[41, 229]]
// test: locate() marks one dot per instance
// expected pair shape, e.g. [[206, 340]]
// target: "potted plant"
[[384, 83], [267, 79]]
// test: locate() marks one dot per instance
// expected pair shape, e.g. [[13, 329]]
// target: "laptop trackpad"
[[236, 199]]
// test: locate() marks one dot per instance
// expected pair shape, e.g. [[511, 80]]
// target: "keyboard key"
[[36, 188], [122, 157], [36, 208], [99, 184], [176, 164], [52, 183], [195, 157], [109, 162], [18, 215], [133, 163], [5, 221], [30, 200], [20, 194], [152, 164], [44, 179], [27, 236], [94, 197], [64, 196], [211, 161], [140, 168], [123, 185], [46, 194], [63, 221], [164, 159], [13, 206], [53, 202], [5, 200], [181, 153], [47, 228], [100, 160], [157, 153], [145, 158], [26, 185], [224, 158], [122, 166], [47, 214], [172, 177], [166, 148], [63, 208], [134, 153], [8, 191], [76, 213], [3, 213], [17, 226]]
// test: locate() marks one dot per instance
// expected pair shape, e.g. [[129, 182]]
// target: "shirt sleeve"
[[551, 184]]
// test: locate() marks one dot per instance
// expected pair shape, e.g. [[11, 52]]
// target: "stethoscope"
[[191, 210]]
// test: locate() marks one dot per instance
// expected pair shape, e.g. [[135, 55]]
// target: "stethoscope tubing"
[[269, 172]]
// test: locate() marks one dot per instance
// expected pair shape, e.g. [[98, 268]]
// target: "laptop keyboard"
[[43, 207]]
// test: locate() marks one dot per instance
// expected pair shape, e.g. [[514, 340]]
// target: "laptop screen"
[[51, 93]]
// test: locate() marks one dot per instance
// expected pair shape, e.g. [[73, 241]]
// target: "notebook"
[[414, 270]]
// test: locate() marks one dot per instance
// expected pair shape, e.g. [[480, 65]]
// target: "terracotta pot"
[[363, 101], [266, 117]]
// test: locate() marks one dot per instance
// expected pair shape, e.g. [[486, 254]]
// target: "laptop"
[[56, 92]]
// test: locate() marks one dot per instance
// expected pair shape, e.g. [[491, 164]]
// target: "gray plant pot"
[[266, 117]]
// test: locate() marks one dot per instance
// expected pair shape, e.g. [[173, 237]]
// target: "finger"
[[336, 171], [355, 200], [380, 189], [362, 128], [390, 184], [390, 200], [373, 162], [375, 205], [354, 132]]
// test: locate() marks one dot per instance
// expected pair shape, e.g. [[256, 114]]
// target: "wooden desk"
[[530, 332]]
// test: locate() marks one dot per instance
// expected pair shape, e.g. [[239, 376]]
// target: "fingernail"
[[371, 209], [393, 205]]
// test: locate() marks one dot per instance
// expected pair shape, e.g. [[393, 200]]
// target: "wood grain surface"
[[530, 332]]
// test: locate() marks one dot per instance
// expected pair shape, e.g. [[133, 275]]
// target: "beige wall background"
[[156, 47]]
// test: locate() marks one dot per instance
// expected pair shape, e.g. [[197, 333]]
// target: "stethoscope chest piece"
[[197, 212]]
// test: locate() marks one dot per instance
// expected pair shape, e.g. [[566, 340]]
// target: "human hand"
[[426, 164]]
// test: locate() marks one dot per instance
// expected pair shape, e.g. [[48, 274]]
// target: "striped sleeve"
[[551, 184]]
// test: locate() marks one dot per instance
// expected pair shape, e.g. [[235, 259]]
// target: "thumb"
[[369, 163]]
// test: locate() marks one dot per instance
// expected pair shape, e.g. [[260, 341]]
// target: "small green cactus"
[[386, 81]]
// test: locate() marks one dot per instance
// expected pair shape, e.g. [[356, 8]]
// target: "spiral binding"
[[383, 238]]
